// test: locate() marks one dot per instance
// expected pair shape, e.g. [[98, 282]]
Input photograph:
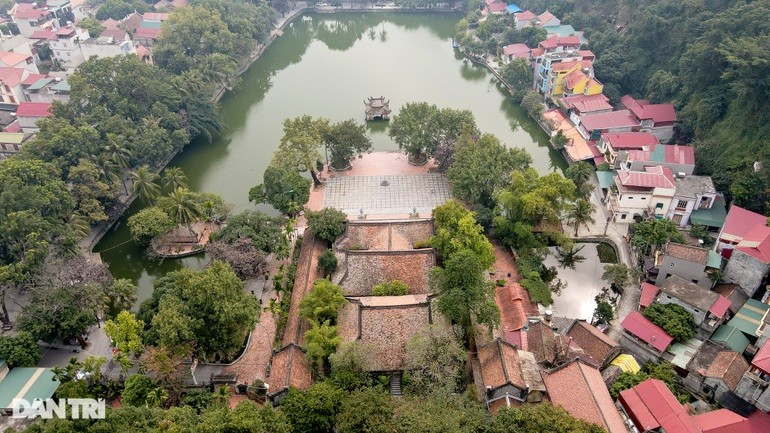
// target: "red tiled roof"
[[545, 17], [110, 24], [517, 50], [574, 77], [614, 119], [44, 34], [759, 422], [630, 140], [148, 33], [593, 342], [644, 110], [33, 78], [497, 7], [500, 365], [15, 126], [739, 223], [560, 41], [586, 104], [566, 66], [289, 369], [10, 58], [649, 292], [720, 307], [722, 421], [65, 31], [142, 52], [728, 366], [587, 54], [756, 243], [651, 177], [647, 331], [525, 16], [651, 405], [117, 35], [155, 16], [33, 109], [12, 76], [28, 11], [580, 390], [762, 358], [537, 52]]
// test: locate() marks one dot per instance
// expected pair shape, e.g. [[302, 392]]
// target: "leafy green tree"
[[539, 417], [322, 303], [119, 9], [91, 194], [149, 223], [390, 288], [144, 184], [205, 310], [481, 166], [654, 233], [661, 370], [314, 410], [125, 332], [518, 73], [457, 230], [674, 319], [465, 296], [327, 262], [344, 140], [263, 230], [351, 364], [438, 360], [136, 389], [439, 412], [245, 259], [560, 140], [93, 26], [321, 341], [59, 313], [20, 350], [532, 103], [283, 188], [302, 137], [619, 275], [534, 199], [327, 223], [368, 410], [419, 128], [580, 173], [581, 212]]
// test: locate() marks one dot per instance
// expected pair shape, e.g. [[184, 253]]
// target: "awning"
[[714, 217], [627, 363]]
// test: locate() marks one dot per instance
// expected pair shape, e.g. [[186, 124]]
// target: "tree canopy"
[[420, 127], [674, 319], [327, 223], [283, 188], [456, 230], [344, 140]]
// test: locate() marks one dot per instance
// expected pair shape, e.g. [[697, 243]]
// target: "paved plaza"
[[387, 194]]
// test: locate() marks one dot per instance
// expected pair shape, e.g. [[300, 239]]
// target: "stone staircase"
[[395, 384]]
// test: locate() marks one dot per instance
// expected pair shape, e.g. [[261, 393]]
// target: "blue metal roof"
[[513, 9]]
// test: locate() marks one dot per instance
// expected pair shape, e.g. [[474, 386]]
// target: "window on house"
[[704, 203], [659, 206], [681, 204], [623, 216], [644, 198]]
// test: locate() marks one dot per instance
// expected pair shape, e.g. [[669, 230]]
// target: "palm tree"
[[145, 183], [174, 178], [568, 258], [579, 173], [108, 170], [222, 395], [184, 209], [117, 151], [581, 212], [156, 397], [79, 225]]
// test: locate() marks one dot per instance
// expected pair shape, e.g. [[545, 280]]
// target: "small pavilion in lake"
[[377, 108]]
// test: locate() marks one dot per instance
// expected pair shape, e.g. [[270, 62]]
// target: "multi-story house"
[[636, 194], [48, 89], [552, 68], [578, 105], [547, 19], [680, 159], [612, 144], [659, 119], [524, 19], [738, 223], [65, 47], [692, 192], [9, 59], [753, 386], [11, 143], [558, 44], [709, 309], [750, 260], [110, 43], [62, 11], [29, 17], [686, 261], [11, 87], [579, 83], [29, 113]]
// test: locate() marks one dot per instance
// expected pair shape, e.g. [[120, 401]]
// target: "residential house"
[[593, 125], [11, 87], [65, 47], [48, 89], [680, 159], [738, 223], [732, 338], [29, 17], [752, 320], [516, 51], [547, 19], [652, 408], [27, 383], [578, 105], [614, 145], [147, 35], [565, 30], [19, 44], [11, 143], [578, 388], [641, 193], [753, 386], [557, 44], [644, 339], [144, 54], [78, 9], [734, 293], [543, 343], [659, 119], [649, 295], [524, 19], [289, 368], [577, 148], [28, 114], [171, 4], [497, 8], [9, 59], [110, 43], [600, 348], [62, 11], [713, 371], [709, 309], [553, 70], [686, 261], [579, 83], [712, 218], [131, 22], [508, 376], [692, 192], [750, 261]]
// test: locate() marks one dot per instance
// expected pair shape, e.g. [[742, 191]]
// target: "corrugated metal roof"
[[732, 337], [29, 383], [646, 331], [39, 84]]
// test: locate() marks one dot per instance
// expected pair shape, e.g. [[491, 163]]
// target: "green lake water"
[[326, 65]]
